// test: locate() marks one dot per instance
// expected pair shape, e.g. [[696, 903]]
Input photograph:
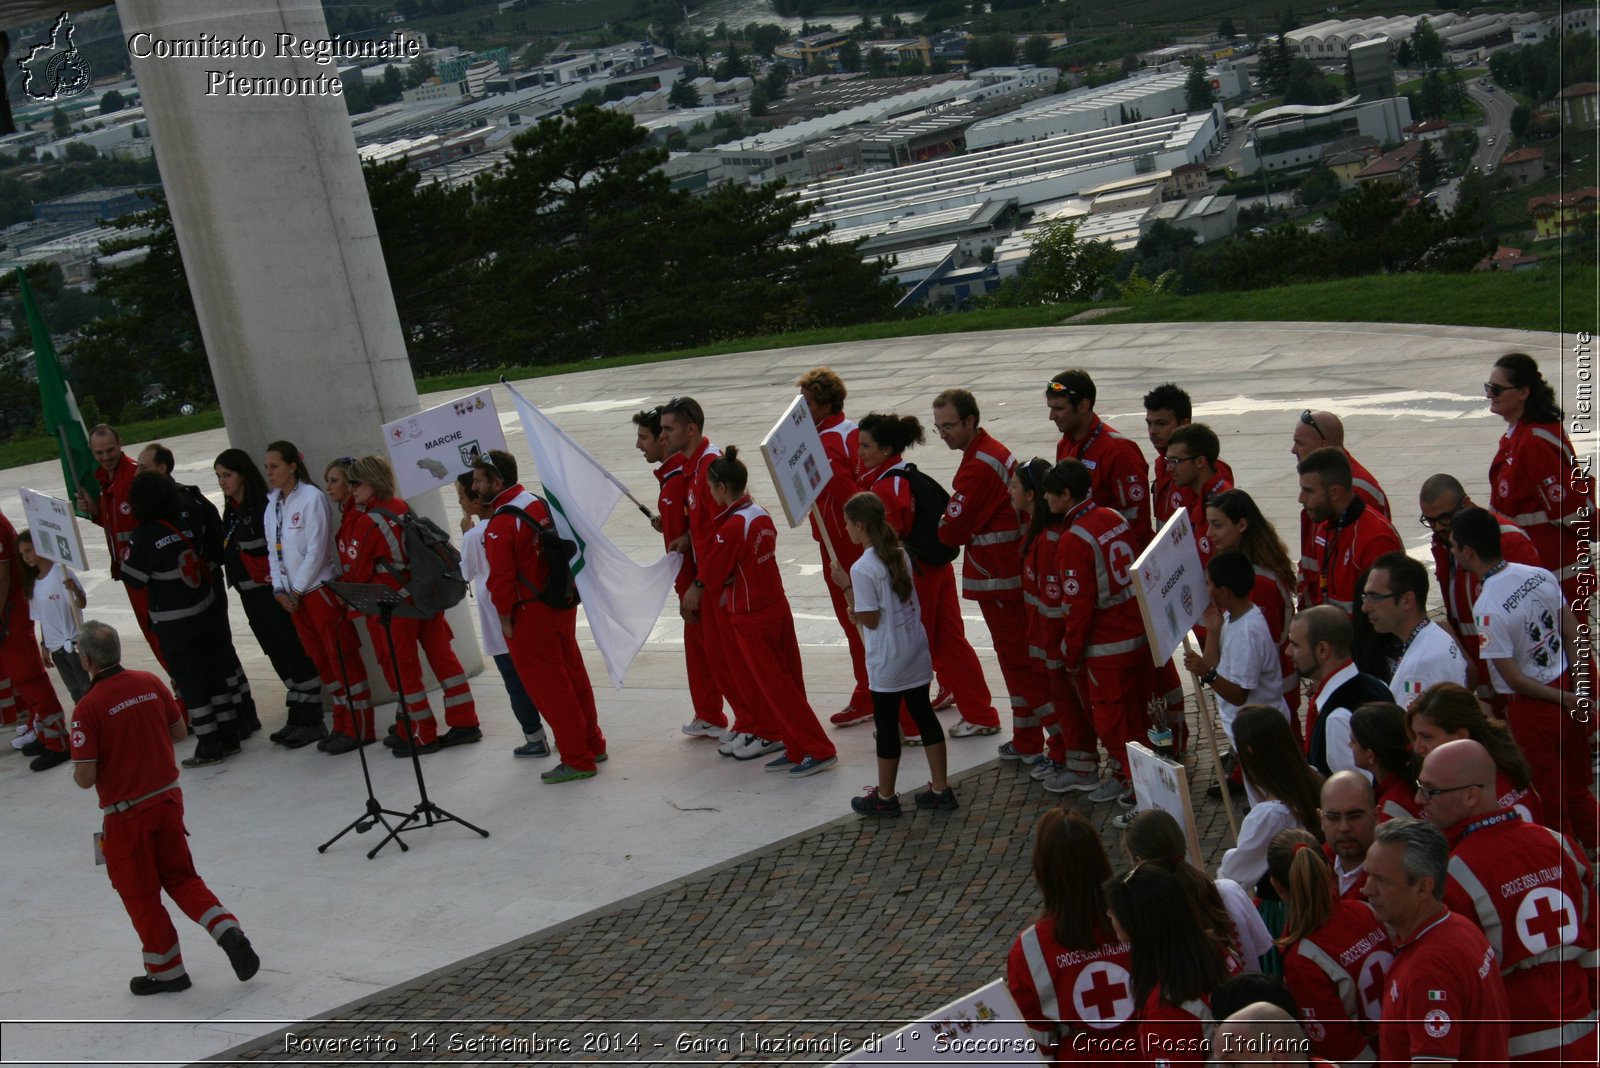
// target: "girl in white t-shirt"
[[55, 600], [883, 603]]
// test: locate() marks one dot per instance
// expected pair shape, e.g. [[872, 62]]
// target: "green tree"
[[1225, 28], [1307, 84], [850, 56], [732, 67], [1429, 167], [766, 37], [59, 122], [1061, 269], [877, 63], [1036, 50], [110, 101], [992, 50], [1197, 94], [912, 66], [1521, 120], [758, 100], [1426, 45], [1403, 53], [683, 94], [418, 71], [777, 80], [1319, 186]]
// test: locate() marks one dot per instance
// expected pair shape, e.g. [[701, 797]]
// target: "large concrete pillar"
[[276, 231]]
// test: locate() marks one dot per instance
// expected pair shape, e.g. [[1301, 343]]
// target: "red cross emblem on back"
[[1546, 918], [191, 568], [1103, 995]]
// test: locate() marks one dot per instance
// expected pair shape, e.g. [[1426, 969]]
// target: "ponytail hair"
[[729, 471], [1296, 863], [292, 456], [1523, 371], [896, 433], [1030, 475], [867, 509]]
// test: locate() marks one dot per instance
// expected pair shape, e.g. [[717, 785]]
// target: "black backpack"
[[562, 589], [928, 501], [432, 572]]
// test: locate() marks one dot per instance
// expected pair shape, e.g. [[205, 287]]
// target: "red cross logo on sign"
[[1370, 982], [1102, 994], [1546, 918], [190, 567]]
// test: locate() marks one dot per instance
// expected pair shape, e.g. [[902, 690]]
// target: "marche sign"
[[431, 448]]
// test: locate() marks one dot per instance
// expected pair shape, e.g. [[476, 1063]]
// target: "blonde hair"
[[1294, 859], [374, 471], [867, 509]]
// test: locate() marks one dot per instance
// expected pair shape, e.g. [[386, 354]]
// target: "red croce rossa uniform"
[[114, 515], [1367, 490], [1175, 1034], [1460, 588], [1072, 999], [672, 504], [1167, 497], [1336, 975], [1536, 481], [1532, 893], [1041, 603], [1444, 999], [1342, 548], [1118, 474]]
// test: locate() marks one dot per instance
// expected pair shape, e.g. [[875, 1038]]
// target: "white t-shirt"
[[52, 608], [1519, 618], [1254, 938], [897, 648], [1249, 659], [475, 569], [1246, 862], [1431, 657]]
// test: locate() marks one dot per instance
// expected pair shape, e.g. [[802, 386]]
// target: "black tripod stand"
[[374, 813], [372, 599]]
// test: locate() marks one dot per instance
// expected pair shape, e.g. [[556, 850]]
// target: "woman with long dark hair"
[[1041, 605], [1445, 713], [1381, 749], [1070, 943], [1235, 521], [244, 563], [1275, 767]]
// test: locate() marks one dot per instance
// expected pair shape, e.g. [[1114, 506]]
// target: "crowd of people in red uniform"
[[1477, 732]]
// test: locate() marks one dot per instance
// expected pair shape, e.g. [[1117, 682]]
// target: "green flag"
[[62, 420]]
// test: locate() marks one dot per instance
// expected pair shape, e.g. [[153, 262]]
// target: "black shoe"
[[143, 985], [299, 737], [35, 748], [281, 735], [205, 755], [240, 955], [1214, 791], [460, 736], [341, 743], [49, 759], [403, 750]]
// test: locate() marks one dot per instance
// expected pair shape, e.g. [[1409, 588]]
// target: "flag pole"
[[612, 478]]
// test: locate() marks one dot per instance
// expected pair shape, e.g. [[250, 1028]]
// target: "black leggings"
[[886, 717]]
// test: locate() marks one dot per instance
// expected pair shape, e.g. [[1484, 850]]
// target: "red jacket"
[[371, 548], [1367, 489], [1535, 479], [1063, 993], [741, 567], [702, 508], [1459, 589], [1041, 597], [841, 444], [1341, 549], [980, 517], [1166, 496], [1118, 474], [672, 503], [1197, 513], [1531, 892], [112, 512], [1336, 976], [512, 550], [1440, 980], [1094, 562]]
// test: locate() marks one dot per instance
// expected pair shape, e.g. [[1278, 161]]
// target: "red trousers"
[[734, 677], [1557, 748], [861, 696], [25, 689], [1073, 744], [704, 694], [1118, 689], [330, 640], [146, 853], [767, 643], [544, 647], [432, 636], [953, 658], [1025, 676]]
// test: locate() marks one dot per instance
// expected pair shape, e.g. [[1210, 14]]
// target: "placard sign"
[[1171, 586], [1164, 784], [985, 1027], [54, 525], [431, 448], [795, 459]]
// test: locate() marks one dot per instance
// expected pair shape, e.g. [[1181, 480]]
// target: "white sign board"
[[985, 1027], [54, 525], [795, 459], [1164, 784], [431, 448], [1171, 586]]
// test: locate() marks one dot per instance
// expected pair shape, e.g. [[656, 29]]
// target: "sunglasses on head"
[[1310, 420], [1063, 389]]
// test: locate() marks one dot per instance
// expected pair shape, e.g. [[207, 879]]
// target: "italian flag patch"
[[1412, 686], [1436, 995]]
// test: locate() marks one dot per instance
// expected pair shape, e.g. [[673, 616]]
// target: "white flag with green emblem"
[[622, 599]]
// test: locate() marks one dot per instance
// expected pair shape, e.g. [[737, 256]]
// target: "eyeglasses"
[[1174, 461], [1373, 598], [1494, 389], [1310, 420], [1442, 520], [1431, 792]]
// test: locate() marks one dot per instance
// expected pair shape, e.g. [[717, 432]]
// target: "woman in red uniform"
[[1335, 952], [742, 570], [373, 550], [1041, 604], [1378, 743], [1233, 521], [884, 438], [336, 481], [1535, 478], [1068, 972], [1446, 712]]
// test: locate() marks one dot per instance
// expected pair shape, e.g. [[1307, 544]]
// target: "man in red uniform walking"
[[1443, 998], [980, 518], [542, 638], [113, 514], [1316, 431], [824, 392], [1117, 470], [1166, 408], [25, 689], [122, 735], [1349, 534], [1531, 892]]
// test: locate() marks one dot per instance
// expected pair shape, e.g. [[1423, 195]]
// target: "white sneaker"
[[756, 747], [24, 737], [23, 726], [1064, 781], [1044, 769], [699, 728], [732, 744], [1108, 790], [964, 729]]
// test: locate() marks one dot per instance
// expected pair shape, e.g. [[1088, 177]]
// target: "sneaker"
[[756, 747], [849, 716], [298, 737], [971, 730], [240, 955], [24, 739], [143, 985], [23, 726], [913, 740], [403, 750], [1008, 751], [565, 773], [341, 743], [460, 736], [730, 745], [934, 799], [33, 748], [1044, 769], [601, 758], [1108, 790], [945, 699], [50, 758], [537, 748], [873, 804], [1127, 799], [1064, 781], [699, 728], [783, 763], [810, 766], [1121, 820]]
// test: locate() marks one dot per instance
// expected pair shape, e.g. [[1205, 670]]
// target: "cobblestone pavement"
[[856, 927]]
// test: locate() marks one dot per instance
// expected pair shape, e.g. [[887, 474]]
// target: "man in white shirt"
[[1319, 642], [1349, 813], [1396, 602]]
